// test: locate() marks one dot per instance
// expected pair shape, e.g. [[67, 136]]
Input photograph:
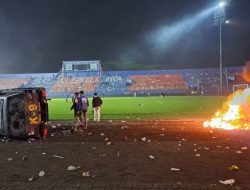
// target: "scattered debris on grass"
[[56, 156], [233, 167], [85, 174], [143, 139], [124, 127], [175, 169], [71, 168], [227, 182], [41, 173], [31, 178], [151, 157]]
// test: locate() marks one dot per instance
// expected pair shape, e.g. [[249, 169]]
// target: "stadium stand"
[[119, 83], [170, 84], [13, 83], [73, 84]]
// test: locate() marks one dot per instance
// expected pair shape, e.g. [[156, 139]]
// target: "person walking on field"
[[84, 108], [96, 104], [77, 109]]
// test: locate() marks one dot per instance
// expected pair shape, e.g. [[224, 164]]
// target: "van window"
[[1, 114]]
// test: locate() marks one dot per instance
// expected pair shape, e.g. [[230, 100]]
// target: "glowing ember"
[[234, 114]]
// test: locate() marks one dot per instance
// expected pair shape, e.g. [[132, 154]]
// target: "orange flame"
[[234, 114]]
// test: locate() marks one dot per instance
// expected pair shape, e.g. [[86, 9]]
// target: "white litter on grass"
[[244, 148], [102, 155], [56, 156], [41, 173], [71, 168], [10, 159], [106, 139], [102, 134], [85, 174], [175, 169], [151, 157], [228, 182], [108, 143], [124, 127], [53, 126], [110, 121], [143, 139], [30, 179], [238, 152], [197, 155]]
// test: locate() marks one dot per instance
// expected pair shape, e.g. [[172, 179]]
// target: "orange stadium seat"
[[156, 82], [73, 84]]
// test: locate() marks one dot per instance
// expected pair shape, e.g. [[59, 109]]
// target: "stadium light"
[[219, 20], [222, 4]]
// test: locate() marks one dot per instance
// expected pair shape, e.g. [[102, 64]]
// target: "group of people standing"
[[81, 105]]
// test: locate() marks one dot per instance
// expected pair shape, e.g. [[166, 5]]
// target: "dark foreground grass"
[[170, 107]]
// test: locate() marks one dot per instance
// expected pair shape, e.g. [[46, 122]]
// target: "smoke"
[[246, 71], [164, 37], [154, 44]]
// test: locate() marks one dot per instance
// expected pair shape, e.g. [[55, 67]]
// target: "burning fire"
[[234, 114]]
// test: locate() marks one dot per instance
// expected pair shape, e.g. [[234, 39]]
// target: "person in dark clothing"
[[77, 109], [84, 104], [96, 104]]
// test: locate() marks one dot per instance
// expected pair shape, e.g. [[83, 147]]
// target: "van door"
[[2, 129], [16, 115]]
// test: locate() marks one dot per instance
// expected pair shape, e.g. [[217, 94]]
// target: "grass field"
[[170, 107]]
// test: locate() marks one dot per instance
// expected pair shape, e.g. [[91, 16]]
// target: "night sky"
[[37, 35]]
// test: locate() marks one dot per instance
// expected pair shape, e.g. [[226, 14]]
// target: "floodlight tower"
[[219, 20]]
